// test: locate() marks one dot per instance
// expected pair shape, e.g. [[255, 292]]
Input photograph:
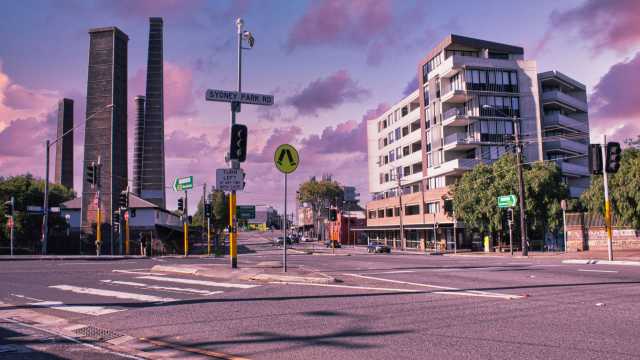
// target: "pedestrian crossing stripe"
[[111, 293], [162, 288], [286, 158]]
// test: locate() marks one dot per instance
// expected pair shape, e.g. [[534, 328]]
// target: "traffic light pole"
[[185, 221], [607, 202], [45, 208], [523, 224]]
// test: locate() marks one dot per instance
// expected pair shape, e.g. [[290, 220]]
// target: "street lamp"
[[523, 226], [45, 208]]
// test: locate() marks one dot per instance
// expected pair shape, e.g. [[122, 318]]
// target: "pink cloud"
[[179, 144], [25, 137], [279, 136], [606, 24], [327, 93], [615, 107], [349, 23]]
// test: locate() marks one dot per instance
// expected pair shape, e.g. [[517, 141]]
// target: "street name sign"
[[229, 179], [246, 212], [184, 183], [234, 96], [286, 158], [507, 201], [34, 209]]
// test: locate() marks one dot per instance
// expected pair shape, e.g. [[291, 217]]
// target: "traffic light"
[[207, 210], [8, 208], [124, 200], [91, 173], [333, 215], [238, 148], [180, 204], [613, 157], [595, 159], [189, 219]]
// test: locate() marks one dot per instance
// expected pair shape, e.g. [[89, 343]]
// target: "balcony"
[[456, 117], [556, 98], [460, 141], [572, 169], [455, 97], [567, 146], [557, 120], [453, 167]]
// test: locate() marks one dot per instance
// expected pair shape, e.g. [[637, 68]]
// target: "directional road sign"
[[507, 201], [234, 96], [184, 183], [286, 158], [229, 179], [246, 212]]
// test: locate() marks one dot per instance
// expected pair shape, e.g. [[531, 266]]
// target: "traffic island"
[[263, 272]]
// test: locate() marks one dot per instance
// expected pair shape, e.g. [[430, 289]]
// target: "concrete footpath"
[[69, 257], [268, 271]]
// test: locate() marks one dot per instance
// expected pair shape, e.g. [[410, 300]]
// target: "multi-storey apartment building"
[[472, 96], [565, 126]]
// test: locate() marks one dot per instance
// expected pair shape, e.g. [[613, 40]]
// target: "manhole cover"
[[97, 334]]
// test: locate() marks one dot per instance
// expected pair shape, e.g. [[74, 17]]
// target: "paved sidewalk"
[[69, 257]]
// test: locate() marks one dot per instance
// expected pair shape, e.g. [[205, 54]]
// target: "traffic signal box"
[[238, 148], [181, 204], [612, 163]]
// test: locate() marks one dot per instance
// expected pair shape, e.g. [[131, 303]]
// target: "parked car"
[[328, 244], [278, 241], [295, 238], [378, 248]]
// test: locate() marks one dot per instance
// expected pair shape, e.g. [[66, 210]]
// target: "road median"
[[601, 262]]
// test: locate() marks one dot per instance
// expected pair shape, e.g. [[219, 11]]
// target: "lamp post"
[[523, 224], [45, 208]]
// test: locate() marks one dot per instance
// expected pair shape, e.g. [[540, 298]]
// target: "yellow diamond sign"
[[286, 158]]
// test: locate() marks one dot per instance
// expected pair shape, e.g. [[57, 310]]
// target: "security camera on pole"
[[232, 179]]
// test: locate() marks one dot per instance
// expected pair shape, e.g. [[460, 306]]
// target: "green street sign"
[[507, 201], [184, 183], [246, 212]]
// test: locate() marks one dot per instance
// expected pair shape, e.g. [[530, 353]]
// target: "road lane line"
[[198, 282], [347, 286], [79, 309], [393, 272], [600, 271], [111, 293], [155, 287], [448, 290], [94, 263], [26, 297]]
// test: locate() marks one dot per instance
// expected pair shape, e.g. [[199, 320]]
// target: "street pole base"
[[234, 263]]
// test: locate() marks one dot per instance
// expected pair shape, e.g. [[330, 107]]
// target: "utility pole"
[[204, 201], [523, 224], [607, 202], [455, 238], [45, 208]]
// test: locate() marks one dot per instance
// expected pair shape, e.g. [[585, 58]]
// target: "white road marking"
[[549, 265], [347, 287], [451, 290], [155, 287], [600, 271], [93, 263], [198, 282], [26, 297], [80, 309], [137, 272], [111, 293]]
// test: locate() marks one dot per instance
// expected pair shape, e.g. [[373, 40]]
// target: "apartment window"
[[435, 182], [372, 214], [497, 80], [398, 134], [492, 152], [381, 213], [381, 178], [398, 152], [412, 209], [390, 138], [499, 105], [399, 171], [392, 155], [416, 146], [406, 150], [405, 131], [389, 212], [386, 159], [456, 82], [417, 167], [432, 207], [405, 111], [396, 211], [415, 125], [450, 53], [498, 55], [385, 142], [384, 124], [386, 178], [426, 94]]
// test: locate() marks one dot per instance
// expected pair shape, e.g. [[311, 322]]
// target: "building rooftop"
[[453, 39], [114, 29], [134, 202]]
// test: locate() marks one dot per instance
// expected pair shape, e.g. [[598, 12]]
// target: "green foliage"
[[30, 191], [321, 194], [624, 190], [220, 209], [475, 195]]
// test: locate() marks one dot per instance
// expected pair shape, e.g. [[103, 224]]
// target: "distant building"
[[64, 147], [106, 129], [138, 145], [149, 168], [265, 218]]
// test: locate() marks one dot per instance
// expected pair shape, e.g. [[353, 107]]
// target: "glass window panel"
[[514, 78], [492, 127], [476, 76], [515, 103], [498, 101], [484, 126], [492, 77], [508, 125]]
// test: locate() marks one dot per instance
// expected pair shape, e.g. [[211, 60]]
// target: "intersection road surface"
[[385, 306]]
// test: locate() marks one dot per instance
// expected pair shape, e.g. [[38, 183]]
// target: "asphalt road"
[[387, 306]]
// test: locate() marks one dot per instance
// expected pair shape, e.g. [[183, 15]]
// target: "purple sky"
[[330, 64]]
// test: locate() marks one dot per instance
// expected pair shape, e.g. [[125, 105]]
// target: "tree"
[[320, 195], [624, 191], [219, 208], [475, 196], [28, 227]]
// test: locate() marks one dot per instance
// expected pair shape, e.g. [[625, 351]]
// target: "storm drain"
[[97, 334]]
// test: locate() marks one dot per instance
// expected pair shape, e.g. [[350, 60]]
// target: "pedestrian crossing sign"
[[286, 158]]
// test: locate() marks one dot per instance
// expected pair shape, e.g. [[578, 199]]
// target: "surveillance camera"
[[249, 37]]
